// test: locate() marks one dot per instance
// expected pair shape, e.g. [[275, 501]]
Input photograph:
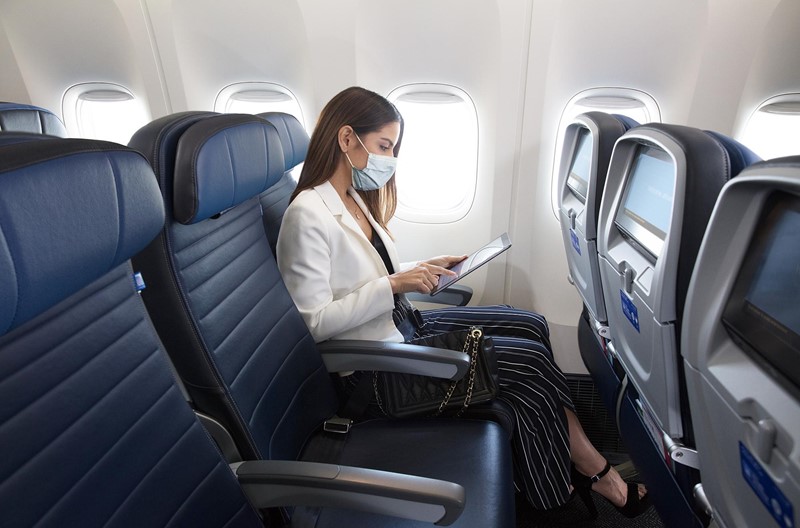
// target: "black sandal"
[[634, 505]]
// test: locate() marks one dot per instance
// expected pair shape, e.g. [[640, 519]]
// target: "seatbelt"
[[325, 447], [356, 405]]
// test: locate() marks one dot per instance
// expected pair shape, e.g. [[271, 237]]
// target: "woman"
[[340, 266]]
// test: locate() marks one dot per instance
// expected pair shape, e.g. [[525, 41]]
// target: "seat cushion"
[[478, 458]]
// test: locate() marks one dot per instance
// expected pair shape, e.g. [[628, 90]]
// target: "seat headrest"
[[70, 211], [294, 138], [15, 117], [626, 121], [223, 161], [740, 155]]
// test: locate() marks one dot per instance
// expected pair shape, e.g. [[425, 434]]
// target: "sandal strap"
[[606, 469]]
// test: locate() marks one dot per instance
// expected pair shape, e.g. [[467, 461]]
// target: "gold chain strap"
[[471, 343], [471, 348]]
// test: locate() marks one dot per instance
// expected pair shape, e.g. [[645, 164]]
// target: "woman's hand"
[[421, 278], [445, 261]]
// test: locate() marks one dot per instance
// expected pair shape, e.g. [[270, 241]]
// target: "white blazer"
[[334, 274]]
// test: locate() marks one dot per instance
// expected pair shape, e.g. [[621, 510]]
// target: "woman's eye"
[[384, 148]]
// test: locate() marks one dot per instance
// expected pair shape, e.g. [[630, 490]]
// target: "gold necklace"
[[355, 212]]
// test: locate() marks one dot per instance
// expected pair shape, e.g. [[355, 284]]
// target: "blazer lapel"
[[384, 236], [337, 208]]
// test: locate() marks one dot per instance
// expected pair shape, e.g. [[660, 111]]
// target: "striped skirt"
[[532, 385]]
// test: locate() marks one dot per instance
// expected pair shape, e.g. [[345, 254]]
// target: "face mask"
[[378, 171]]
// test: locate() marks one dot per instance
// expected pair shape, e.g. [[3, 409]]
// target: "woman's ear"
[[345, 137]]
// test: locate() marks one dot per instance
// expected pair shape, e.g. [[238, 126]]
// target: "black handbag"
[[404, 395]]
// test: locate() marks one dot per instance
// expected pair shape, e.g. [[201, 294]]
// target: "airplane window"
[[256, 98], [637, 105], [772, 130], [437, 167], [103, 111]]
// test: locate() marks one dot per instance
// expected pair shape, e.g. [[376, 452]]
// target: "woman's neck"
[[342, 179]]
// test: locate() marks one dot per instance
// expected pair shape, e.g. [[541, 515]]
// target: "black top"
[[380, 247], [404, 316]]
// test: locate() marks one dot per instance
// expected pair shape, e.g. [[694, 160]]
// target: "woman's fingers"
[[437, 270]]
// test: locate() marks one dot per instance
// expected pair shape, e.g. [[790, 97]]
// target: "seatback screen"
[[579, 169], [646, 209], [762, 311]]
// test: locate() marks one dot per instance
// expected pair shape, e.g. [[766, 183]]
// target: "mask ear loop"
[[362, 144]]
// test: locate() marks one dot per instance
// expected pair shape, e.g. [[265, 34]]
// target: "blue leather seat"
[[274, 201], [16, 117], [241, 347], [94, 431]]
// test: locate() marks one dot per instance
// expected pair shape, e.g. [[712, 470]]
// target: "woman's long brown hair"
[[365, 112]]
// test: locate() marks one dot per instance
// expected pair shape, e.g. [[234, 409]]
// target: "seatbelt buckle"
[[337, 425]]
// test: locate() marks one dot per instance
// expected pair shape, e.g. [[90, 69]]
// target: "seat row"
[[97, 430], [635, 203]]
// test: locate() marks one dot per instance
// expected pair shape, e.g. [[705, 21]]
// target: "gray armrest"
[[455, 295], [271, 483], [348, 355]]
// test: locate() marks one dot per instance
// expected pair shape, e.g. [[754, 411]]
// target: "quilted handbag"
[[403, 395]]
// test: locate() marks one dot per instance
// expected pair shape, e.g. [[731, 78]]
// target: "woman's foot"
[[613, 488], [630, 499]]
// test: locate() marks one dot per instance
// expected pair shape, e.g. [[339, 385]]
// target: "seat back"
[[16, 117], [275, 200], [741, 312], [662, 184], [588, 143], [215, 293], [94, 430], [663, 181]]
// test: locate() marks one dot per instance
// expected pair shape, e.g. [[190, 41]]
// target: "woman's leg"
[[497, 320], [589, 462]]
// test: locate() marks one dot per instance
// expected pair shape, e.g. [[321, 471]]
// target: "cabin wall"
[[707, 63]]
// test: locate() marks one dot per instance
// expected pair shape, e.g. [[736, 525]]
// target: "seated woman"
[[340, 265]]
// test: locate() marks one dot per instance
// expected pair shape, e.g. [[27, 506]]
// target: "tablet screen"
[[474, 261]]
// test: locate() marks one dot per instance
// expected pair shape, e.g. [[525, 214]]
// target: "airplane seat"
[[741, 344], [245, 354], [274, 201], [663, 181], [588, 143], [16, 117], [94, 430]]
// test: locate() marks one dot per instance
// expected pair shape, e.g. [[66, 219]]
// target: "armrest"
[[348, 355], [271, 483], [455, 295]]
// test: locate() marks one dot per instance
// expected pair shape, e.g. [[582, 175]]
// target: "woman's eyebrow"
[[391, 143]]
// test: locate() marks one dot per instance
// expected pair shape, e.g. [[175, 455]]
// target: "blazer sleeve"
[[305, 262]]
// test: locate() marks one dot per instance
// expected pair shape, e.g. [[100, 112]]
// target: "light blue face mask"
[[378, 171]]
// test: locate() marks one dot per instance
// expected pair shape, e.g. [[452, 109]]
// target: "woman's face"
[[380, 142]]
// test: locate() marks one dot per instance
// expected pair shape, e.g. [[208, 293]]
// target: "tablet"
[[473, 262]]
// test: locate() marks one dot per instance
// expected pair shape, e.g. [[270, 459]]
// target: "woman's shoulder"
[[308, 206], [308, 198]]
